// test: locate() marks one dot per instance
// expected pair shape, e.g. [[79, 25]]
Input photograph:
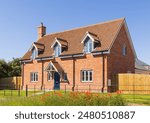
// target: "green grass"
[[60, 98], [66, 99], [15, 93], [137, 98]]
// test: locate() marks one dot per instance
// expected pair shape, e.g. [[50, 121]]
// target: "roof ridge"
[[123, 18]]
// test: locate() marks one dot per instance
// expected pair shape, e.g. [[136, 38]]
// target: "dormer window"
[[90, 41], [36, 49], [34, 53], [59, 45], [57, 50], [88, 45]]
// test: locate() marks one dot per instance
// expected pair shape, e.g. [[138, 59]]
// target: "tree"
[[4, 69], [15, 67], [9, 69]]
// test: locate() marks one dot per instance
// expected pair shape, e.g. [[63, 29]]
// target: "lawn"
[[60, 98], [137, 99], [15, 93]]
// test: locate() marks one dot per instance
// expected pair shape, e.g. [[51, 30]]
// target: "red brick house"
[[79, 57]]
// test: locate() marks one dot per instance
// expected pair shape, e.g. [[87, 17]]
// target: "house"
[[141, 67], [80, 58]]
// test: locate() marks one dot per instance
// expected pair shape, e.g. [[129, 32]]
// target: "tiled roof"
[[63, 42], [106, 32], [39, 46]]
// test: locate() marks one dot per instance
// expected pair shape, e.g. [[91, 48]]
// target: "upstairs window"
[[88, 45], [34, 53], [57, 50], [59, 45], [124, 50]]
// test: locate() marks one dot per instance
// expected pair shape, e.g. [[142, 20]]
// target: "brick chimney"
[[41, 31]]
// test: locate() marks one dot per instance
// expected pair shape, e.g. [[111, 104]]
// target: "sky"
[[19, 20]]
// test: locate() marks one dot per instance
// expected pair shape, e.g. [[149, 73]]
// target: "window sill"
[[50, 80], [64, 81], [33, 81], [87, 81]]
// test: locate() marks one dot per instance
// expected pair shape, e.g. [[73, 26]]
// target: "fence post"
[[26, 90], [19, 91]]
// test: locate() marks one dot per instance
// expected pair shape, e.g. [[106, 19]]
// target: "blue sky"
[[19, 20]]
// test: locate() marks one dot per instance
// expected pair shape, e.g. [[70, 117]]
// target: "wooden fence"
[[10, 82], [132, 83]]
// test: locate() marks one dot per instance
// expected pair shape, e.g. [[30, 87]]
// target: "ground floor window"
[[50, 75], [86, 75], [34, 76], [63, 76]]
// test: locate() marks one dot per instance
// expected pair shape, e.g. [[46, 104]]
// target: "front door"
[[56, 81]]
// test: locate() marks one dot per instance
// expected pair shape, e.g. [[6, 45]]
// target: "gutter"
[[22, 74], [103, 73], [42, 76], [73, 74]]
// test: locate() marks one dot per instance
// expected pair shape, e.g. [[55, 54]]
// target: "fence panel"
[[133, 83], [13, 82]]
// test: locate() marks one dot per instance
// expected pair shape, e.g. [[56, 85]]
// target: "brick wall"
[[89, 62], [117, 63]]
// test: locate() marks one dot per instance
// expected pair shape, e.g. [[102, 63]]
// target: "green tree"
[[9, 69], [4, 68], [15, 67]]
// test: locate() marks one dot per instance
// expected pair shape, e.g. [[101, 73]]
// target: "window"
[[34, 76], [57, 50], [50, 75], [88, 45], [63, 76], [124, 50], [34, 53], [87, 75]]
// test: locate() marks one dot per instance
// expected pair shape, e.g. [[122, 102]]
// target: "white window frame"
[[83, 72], [87, 45], [34, 53], [56, 51], [34, 76]]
